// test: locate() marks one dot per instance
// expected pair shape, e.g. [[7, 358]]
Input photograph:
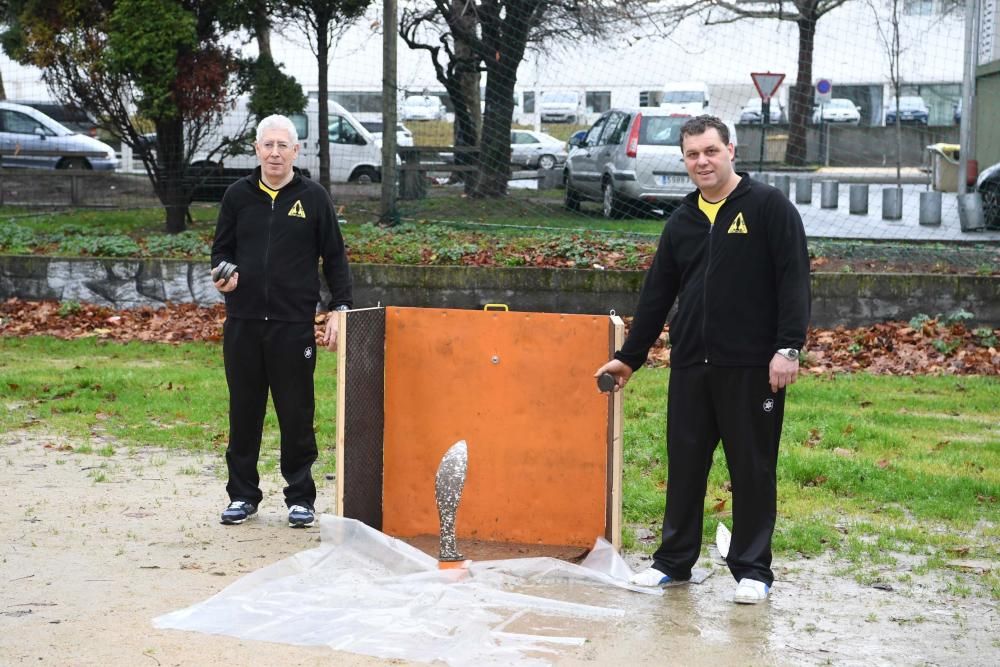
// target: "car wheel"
[[572, 200], [546, 162], [364, 176], [990, 193], [73, 163], [611, 204]]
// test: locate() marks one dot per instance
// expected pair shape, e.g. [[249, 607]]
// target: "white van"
[[355, 155], [688, 98]]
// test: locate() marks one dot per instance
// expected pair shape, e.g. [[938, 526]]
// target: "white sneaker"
[[750, 591], [652, 578]]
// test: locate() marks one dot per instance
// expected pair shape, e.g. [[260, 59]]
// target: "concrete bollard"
[[859, 199], [803, 190], [930, 208], [970, 212], [783, 183], [892, 203], [829, 194]]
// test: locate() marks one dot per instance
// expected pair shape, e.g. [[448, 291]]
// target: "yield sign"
[[767, 83]]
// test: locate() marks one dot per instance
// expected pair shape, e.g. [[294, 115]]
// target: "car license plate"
[[671, 179]]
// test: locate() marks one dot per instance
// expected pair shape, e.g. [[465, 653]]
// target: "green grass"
[[140, 394], [875, 469], [869, 467]]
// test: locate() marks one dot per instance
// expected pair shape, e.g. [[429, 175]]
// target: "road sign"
[[767, 83], [824, 90]]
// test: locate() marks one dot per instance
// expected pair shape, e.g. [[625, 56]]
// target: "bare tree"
[[457, 67], [323, 22], [805, 14], [498, 37], [889, 36]]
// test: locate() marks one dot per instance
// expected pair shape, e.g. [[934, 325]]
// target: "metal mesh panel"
[[364, 416]]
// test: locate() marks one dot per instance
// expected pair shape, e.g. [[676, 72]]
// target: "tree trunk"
[[171, 188], [494, 145], [262, 28], [323, 63], [465, 98], [801, 95], [3, 91]]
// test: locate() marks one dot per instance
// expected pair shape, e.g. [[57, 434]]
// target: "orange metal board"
[[519, 389]]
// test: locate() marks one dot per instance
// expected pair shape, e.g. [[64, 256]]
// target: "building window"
[[918, 7], [598, 101], [529, 102], [650, 98]]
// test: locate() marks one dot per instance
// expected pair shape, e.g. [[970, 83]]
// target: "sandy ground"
[[94, 547]]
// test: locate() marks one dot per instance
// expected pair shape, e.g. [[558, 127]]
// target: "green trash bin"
[[944, 167]]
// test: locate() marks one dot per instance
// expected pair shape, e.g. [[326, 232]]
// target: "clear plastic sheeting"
[[365, 592]]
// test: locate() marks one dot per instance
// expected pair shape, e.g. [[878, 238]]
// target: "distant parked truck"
[[686, 98], [560, 107]]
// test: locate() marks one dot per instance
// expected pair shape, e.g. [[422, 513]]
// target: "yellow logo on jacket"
[[297, 211], [739, 226]]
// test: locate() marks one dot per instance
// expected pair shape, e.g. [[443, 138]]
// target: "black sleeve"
[[787, 239], [333, 252], [224, 245], [659, 289]]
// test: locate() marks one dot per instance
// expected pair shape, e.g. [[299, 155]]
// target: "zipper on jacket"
[[704, 291], [267, 256]]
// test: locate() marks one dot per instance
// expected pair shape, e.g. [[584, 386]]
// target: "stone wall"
[[838, 299]]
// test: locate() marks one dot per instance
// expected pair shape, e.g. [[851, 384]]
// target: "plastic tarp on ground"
[[365, 592]]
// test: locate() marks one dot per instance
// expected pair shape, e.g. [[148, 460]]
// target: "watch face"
[[792, 354]]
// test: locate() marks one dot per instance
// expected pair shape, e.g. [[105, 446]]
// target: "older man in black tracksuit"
[[275, 226], [734, 254]]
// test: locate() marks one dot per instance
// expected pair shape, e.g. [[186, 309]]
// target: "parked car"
[[30, 139], [630, 160], [751, 114], [423, 107], [536, 149], [988, 187], [70, 117], [403, 135], [560, 107], [839, 110], [912, 110], [689, 97]]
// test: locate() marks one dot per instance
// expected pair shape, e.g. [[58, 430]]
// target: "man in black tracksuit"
[[275, 226], [734, 255]]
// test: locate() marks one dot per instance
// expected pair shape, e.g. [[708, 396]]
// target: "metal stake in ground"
[[448, 485]]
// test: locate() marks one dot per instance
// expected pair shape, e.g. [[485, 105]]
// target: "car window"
[[661, 130], [594, 135], [342, 132], [683, 96], [17, 122], [373, 126], [301, 125], [615, 129]]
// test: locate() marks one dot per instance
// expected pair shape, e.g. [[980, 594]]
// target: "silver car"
[[536, 149], [30, 139], [629, 159]]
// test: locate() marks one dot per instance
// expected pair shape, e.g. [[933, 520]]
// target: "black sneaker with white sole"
[[300, 516], [238, 512]]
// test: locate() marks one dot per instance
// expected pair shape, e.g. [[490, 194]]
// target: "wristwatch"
[[342, 307], [789, 353]]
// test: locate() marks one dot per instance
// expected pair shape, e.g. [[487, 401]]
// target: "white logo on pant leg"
[[768, 405], [308, 354]]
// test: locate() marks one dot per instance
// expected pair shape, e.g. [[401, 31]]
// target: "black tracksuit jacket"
[[277, 247], [742, 283]]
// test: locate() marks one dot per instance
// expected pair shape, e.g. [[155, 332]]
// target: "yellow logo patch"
[[738, 226], [297, 211]]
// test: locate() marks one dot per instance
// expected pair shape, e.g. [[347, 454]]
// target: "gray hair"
[[278, 122]]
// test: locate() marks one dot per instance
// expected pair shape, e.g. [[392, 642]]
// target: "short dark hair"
[[700, 124]]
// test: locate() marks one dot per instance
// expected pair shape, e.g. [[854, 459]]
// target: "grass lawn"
[[876, 469]]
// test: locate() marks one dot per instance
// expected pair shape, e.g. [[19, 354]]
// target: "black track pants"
[[281, 357], [707, 403]]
